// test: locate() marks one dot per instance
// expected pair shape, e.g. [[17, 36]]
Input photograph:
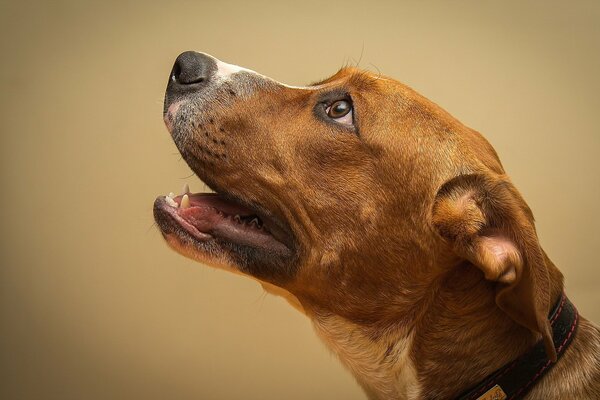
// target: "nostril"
[[177, 77], [191, 82], [176, 73], [191, 68]]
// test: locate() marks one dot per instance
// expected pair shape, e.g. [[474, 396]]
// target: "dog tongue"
[[205, 219], [215, 201]]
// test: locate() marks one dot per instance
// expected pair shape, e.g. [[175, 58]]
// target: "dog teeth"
[[170, 201], [186, 188], [171, 195], [185, 202], [237, 219]]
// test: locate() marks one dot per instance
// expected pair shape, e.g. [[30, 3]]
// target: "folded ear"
[[488, 223]]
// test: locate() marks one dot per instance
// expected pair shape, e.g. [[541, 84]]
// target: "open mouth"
[[213, 216]]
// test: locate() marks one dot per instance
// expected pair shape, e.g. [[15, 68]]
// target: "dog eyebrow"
[[363, 80], [360, 80], [342, 72]]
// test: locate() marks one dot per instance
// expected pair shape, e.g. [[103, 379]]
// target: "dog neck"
[[381, 364], [457, 337]]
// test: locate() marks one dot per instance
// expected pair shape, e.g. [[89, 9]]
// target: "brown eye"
[[339, 109]]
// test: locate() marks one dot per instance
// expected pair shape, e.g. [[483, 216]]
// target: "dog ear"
[[488, 223]]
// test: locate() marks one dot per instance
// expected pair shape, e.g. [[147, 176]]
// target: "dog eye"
[[341, 111]]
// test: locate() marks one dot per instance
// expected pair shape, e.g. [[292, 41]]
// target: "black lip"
[[170, 222], [272, 265], [281, 232]]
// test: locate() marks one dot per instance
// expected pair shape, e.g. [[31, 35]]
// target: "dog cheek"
[[329, 259]]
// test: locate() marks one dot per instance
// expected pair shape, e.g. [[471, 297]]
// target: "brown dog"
[[389, 223]]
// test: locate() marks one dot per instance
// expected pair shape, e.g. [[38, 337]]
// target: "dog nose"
[[191, 71]]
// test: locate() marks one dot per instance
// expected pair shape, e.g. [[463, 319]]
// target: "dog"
[[390, 224]]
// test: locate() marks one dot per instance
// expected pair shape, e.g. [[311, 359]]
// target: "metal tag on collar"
[[495, 393]]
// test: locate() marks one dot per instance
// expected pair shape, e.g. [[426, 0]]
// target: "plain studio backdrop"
[[95, 306]]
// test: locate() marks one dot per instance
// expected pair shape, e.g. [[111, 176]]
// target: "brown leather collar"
[[515, 379]]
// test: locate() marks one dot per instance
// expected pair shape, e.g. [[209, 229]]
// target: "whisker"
[[362, 50], [261, 298], [154, 225], [378, 71], [189, 176]]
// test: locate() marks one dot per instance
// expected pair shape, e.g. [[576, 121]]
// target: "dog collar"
[[515, 379]]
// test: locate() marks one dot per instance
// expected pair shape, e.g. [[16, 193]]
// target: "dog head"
[[354, 194]]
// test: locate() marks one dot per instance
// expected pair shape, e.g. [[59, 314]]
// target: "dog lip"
[[278, 227], [279, 230], [163, 212], [211, 215]]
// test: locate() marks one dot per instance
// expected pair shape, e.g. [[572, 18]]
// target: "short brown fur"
[[416, 257]]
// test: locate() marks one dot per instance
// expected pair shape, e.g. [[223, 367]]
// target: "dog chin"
[[206, 253], [216, 255], [223, 234]]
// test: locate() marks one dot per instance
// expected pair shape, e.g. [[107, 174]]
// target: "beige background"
[[93, 303]]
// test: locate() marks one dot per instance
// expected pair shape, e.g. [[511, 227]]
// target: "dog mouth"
[[207, 217]]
